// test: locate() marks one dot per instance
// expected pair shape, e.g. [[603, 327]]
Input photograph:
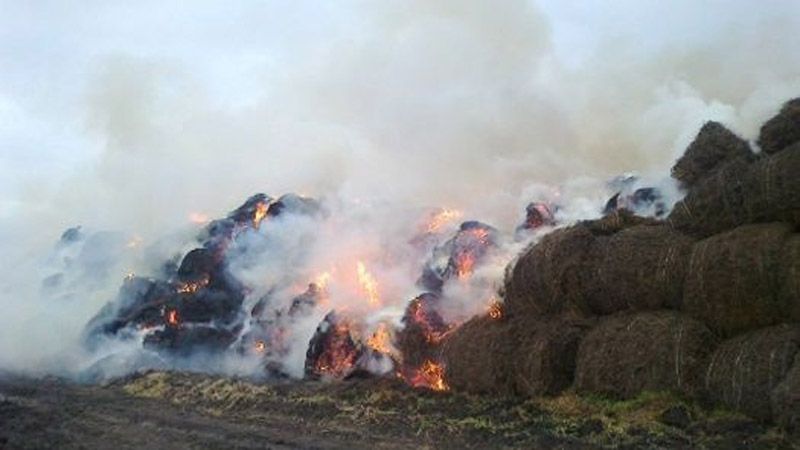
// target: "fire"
[[260, 346], [172, 317], [129, 276], [430, 375], [441, 218], [190, 287], [199, 218], [381, 340], [465, 264], [322, 280], [368, 284], [260, 213], [495, 310], [340, 352]]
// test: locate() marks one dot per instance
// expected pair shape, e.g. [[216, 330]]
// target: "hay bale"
[[790, 287], [544, 360], [772, 188], [743, 372], [715, 203], [782, 130], [629, 353], [739, 193], [785, 399], [734, 279], [477, 356], [639, 268], [546, 277], [713, 145]]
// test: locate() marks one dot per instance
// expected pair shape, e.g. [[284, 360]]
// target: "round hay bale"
[[477, 356], [734, 279], [546, 277], [743, 372], [629, 353], [785, 399], [713, 145], [772, 188], [790, 288], [544, 361], [715, 203], [739, 193], [782, 130], [551, 276], [640, 268]]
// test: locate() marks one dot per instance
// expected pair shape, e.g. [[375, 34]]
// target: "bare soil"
[[175, 411]]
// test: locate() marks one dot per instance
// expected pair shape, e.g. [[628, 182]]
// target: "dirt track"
[[163, 410]]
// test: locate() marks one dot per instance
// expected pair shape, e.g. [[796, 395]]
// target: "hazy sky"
[[53, 54]]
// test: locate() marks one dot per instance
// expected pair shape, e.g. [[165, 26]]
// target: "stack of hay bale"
[[705, 304]]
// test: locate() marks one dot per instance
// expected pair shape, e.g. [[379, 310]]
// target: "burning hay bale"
[[741, 192], [423, 328], [458, 257], [334, 351], [642, 267], [782, 130], [713, 146], [734, 279], [477, 356], [743, 372], [545, 355], [627, 354], [537, 215]]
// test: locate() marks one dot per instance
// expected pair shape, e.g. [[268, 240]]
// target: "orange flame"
[[441, 218], [495, 310], [430, 375], [381, 340], [260, 213], [368, 284], [190, 287], [322, 280], [172, 317]]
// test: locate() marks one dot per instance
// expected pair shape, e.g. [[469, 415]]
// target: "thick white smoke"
[[382, 108]]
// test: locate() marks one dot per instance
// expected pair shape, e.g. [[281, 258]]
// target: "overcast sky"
[[52, 54]]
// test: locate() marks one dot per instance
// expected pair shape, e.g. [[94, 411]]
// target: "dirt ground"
[[174, 410]]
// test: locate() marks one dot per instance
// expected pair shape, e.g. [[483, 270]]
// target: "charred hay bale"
[[546, 277], [782, 130], [743, 372], [544, 361], [713, 145], [477, 356], [615, 222], [785, 399], [734, 279], [739, 193], [640, 268], [629, 353]]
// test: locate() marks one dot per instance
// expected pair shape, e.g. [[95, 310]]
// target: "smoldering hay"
[[385, 110]]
